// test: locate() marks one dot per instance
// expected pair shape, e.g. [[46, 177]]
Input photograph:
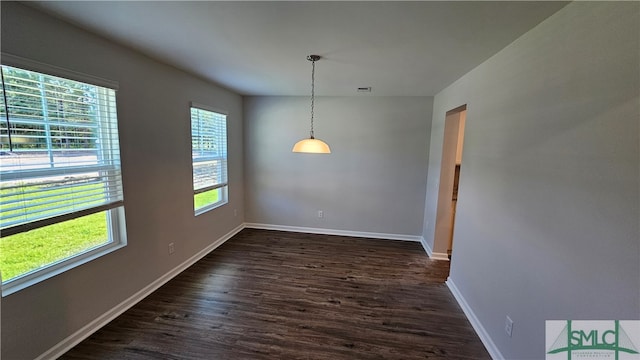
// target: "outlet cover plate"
[[508, 326]]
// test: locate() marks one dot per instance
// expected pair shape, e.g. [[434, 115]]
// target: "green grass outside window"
[[206, 198], [31, 250]]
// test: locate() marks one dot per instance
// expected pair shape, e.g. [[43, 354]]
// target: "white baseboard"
[[426, 246], [434, 256], [75, 338], [440, 256], [477, 326], [309, 230]]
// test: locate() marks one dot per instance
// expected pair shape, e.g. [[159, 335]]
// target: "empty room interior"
[[480, 176]]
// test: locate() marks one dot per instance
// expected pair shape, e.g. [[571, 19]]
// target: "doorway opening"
[[448, 190]]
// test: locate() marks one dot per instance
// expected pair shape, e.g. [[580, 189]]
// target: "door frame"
[[452, 142]]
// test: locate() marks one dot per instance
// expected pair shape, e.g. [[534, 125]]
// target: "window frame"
[[115, 215], [223, 187]]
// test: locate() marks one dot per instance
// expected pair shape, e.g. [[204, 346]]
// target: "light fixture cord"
[[313, 75], [6, 110]]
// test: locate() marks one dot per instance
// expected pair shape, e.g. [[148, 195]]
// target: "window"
[[209, 155], [61, 198]]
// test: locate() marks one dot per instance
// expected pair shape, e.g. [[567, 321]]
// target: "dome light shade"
[[313, 146]]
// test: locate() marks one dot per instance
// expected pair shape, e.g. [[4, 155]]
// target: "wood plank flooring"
[[278, 295]]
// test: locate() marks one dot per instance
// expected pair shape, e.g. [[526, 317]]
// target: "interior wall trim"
[[475, 322], [426, 246], [322, 231], [95, 325], [440, 256], [429, 251]]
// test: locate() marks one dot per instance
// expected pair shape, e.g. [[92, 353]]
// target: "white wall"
[[374, 180], [153, 111], [547, 224]]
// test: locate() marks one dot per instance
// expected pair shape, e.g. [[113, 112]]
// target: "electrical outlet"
[[235, 212], [508, 326], [320, 214], [172, 248]]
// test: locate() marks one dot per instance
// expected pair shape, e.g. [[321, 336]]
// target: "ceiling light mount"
[[312, 145]]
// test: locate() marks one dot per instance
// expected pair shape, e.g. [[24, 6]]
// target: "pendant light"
[[312, 145]]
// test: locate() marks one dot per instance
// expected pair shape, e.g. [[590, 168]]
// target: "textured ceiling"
[[260, 48]]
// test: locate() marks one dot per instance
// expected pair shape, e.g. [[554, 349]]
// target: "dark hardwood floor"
[[278, 295]]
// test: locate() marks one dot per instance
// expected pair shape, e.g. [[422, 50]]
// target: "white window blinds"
[[209, 149], [59, 150]]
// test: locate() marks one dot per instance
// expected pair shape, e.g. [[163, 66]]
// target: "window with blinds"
[[59, 161], [209, 156]]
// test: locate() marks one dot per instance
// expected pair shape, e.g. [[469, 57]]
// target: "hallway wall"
[[547, 222]]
